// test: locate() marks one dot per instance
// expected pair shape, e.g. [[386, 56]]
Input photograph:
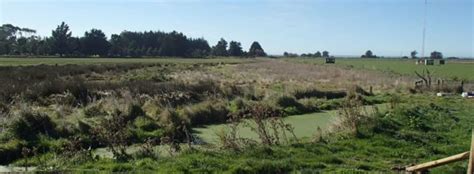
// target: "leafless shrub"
[[147, 150], [318, 136], [394, 100], [176, 130], [425, 76], [74, 151], [351, 114], [113, 133], [269, 124], [230, 139]]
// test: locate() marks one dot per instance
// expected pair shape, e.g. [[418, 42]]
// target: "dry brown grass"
[[321, 76]]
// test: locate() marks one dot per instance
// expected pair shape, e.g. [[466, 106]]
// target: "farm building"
[[428, 62], [442, 62], [330, 60]]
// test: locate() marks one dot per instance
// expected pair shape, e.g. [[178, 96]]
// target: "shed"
[[442, 62], [330, 60], [429, 62]]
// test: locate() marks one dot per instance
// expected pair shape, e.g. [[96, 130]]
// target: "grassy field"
[[88, 61], [74, 114], [453, 69]]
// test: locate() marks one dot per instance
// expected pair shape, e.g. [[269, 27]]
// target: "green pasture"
[[453, 69]]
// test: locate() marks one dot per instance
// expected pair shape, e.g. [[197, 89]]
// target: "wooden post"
[[470, 166], [440, 162]]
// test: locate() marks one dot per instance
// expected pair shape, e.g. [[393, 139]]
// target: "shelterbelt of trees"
[[15, 40]]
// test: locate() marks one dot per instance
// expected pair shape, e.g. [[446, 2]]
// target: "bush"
[[287, 101], [29, 125], [291, 106], [330, 104], [146, 128], [309, 93], [237, 105], [114, 133], [206, 113], [172, 124], [145, 123], [11, 150], [83, 127], [310, 105], [359, 90], [93, 110], [65, 129]]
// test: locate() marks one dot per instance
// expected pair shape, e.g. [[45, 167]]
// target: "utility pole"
[[424, 30]]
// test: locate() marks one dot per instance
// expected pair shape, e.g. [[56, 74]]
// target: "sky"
[[342, 27]]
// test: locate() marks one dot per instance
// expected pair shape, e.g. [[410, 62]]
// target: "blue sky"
[[343, 27]]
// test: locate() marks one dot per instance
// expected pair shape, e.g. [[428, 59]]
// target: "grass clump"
[[208, 112], [11, 150], [28, 125]]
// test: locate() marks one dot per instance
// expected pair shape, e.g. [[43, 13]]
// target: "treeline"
[[23, 41], [367, 54], [317, 54]]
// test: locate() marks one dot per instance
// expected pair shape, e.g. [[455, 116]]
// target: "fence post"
[[470, 169]]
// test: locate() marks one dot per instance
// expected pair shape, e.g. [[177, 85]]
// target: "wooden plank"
[[432, 164], [470, 169]]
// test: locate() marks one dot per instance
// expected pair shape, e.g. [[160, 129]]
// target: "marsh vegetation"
[[214, 115]]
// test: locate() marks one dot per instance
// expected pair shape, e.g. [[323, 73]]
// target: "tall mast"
[[424, 30]]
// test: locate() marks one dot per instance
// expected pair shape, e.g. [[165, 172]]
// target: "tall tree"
[[325, 53], [436, 55], [8, 35], [60, 38], [95, 42], [369, 54], [317, 54], [413, 54], [220, 49], [235, 49], [174, 44], [75, 46], [199, 48], [256, 50]]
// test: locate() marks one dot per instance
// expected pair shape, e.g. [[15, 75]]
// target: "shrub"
[[310, 105], [83, 127], [146, 128], [11, 150], [135, 111], [29, 124], [94, 109], [290, 105], [113, 133], [172, 124], [75, 87], [237, 105], [286, 101], [206, 113], [352, 117], [309, 93], [3, 108], [359, 90], [65, 129], [145, 123]]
